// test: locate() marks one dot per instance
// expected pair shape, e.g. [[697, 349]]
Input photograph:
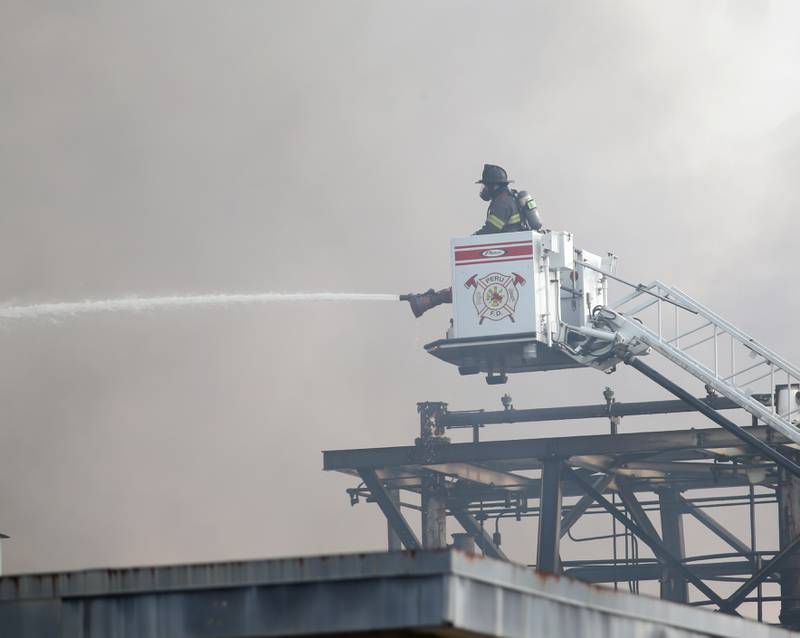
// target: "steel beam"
[[481, 536], [482, 475], [709, 522], [638, 514], [522, 451], [475, 493], [739, 432], [788, 529], [780, 559], [434, 512], [547, 557], [652, 542], [577, 510], [393, 541], [673, 586], [600, 410], [390, 510], [652, 571]]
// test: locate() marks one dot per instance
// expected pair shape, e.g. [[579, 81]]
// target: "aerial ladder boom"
[[621, 327]]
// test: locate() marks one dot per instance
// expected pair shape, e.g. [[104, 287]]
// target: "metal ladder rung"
[[697, 343], [690, 332], [747, 369], [742, 337], [632, 334], [705, 374], [631, 296], [642, 307], [751, 381]]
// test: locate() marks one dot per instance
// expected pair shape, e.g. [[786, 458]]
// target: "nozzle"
[[424, 301]]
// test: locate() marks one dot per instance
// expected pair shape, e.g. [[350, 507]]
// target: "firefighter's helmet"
[[494, 175]]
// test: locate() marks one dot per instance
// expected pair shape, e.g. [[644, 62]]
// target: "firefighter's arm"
[[486, 229], [496, 220]]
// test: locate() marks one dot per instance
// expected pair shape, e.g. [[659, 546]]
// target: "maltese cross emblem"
[[495, 295]]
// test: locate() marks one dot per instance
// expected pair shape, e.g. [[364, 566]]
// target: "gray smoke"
[[154, 147]]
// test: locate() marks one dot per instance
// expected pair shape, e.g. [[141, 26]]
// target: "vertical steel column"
[[434, 512], [673, 585], [547, 559], [789, 529], [394, 544]]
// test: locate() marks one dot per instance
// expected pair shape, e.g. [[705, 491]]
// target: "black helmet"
[[494, 175]]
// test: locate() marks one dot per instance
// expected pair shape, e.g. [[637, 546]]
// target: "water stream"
[[140, 304]]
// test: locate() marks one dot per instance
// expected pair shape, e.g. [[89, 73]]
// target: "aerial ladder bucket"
[[530, 301]]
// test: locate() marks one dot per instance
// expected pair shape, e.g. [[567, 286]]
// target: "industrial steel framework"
[[479, 483]]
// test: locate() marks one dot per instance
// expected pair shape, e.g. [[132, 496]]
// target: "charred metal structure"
[[532, 302], [635, 479]]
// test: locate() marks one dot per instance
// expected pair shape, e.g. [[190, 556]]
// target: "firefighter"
[[503, 215]]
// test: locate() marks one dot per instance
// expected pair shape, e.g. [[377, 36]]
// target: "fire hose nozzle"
[[424, 301]]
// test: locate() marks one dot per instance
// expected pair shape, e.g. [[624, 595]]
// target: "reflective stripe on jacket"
[[503, 215]]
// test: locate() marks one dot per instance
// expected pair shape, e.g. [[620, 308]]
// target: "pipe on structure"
[[652, 542], [577, 510], [673, 584], [457, 419]]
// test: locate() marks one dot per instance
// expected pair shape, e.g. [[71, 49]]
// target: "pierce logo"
[[493, 252], [495, 295]]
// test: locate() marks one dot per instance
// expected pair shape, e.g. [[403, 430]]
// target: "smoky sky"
[[207, 147]]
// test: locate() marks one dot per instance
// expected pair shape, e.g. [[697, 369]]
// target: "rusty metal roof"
[[444, 591]]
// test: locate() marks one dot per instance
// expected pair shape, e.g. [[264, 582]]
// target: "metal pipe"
[[653, 543], [469, 418], [577, 510]]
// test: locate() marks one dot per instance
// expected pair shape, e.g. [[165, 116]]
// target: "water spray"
[[140, 304]]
